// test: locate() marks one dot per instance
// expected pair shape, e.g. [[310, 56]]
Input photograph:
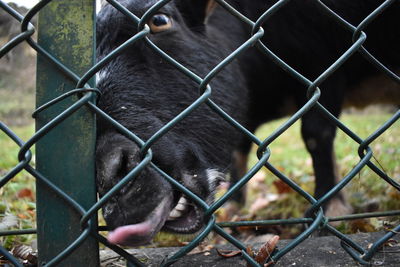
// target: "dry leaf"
[[228, 253], [362, 225], [250, 251], [22, 216], [25, 253], [391, 243], [266, 250], [202, 248], [259, 204], [26, 193], [282, 187]]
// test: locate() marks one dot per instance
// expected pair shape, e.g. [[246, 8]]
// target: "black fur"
[[144, 92]]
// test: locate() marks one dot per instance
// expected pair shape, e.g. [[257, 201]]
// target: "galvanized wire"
[[315, 217]]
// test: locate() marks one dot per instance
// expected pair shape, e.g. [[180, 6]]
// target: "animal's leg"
[[238, 170], [318, 135]]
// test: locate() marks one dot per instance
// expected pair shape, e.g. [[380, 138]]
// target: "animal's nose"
[[116, 156], [142, 188]]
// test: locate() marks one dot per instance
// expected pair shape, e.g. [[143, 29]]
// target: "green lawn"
[[366, 192], [17, 197]]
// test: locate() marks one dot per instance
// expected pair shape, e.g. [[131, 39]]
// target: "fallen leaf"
[[394, 194], [282, 187], [201, 248], [228, 253], [250, 251], [262, 201], [259, 204], [266, 250], [25, 193], [257, 183], [22, 216], [392, 243], [25, 253], [362, 225], [31, 212]]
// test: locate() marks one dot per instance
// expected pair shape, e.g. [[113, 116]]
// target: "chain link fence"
[[82, 209]]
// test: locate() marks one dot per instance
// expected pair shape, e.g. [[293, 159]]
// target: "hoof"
[[337, 207]]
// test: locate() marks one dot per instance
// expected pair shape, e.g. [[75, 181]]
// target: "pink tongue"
[[142, 233], [123, 235]]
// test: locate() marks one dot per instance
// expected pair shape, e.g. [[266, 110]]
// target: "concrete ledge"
[[314, 252]]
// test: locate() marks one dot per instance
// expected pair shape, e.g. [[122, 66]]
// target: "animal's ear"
[[196, 12]]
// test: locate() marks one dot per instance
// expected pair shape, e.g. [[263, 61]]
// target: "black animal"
[[144, 92]]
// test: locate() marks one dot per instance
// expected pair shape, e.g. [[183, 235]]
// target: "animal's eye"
[[160, 22]]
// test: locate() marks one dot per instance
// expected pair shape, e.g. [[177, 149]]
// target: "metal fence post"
[[65, 155]]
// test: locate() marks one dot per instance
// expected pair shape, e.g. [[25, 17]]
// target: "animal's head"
[[143, 92]]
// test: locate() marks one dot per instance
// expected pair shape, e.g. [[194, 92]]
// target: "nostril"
[[113, 163], [122, 167], [115, 157], [108, 170]]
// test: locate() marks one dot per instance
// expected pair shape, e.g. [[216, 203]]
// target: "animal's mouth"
[[184, 218]]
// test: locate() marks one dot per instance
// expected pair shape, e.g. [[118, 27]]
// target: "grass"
[[366, 192], [17, 89], [17, 197], [17, 101]]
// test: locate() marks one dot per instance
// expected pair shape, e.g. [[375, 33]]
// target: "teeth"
[[183, 201], [179, 209], [175, 214]]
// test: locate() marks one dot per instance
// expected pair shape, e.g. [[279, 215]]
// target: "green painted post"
[[66, 154]]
